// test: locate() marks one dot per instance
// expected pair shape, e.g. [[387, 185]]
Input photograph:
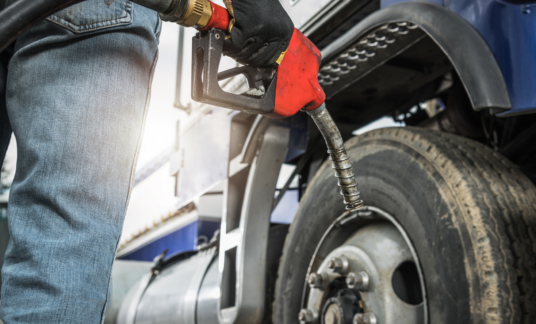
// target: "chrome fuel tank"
[[185, 292], [207, 301]]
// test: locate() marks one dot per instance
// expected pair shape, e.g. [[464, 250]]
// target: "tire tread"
[[513, 193]]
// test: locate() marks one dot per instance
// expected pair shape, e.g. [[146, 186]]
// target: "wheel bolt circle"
[[358, 280], [317, 280], [331, 264], [339, 265], [367, 318], [350, 280]]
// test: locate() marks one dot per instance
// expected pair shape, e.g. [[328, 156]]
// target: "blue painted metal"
[[287, 208], [511, 35], [298, 137], [299, 134], [510, 32], [181, 240]]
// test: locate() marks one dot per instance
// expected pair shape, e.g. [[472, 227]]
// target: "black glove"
[[260, 32]]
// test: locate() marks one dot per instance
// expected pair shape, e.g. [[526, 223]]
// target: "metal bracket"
[[178, 84], [248, 200]]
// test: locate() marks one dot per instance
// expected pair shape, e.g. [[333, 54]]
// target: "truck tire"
[[467, 213]]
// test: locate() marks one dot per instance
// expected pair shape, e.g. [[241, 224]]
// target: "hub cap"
[[373, 277]]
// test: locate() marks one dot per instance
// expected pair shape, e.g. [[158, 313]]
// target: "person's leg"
[[76, 96]]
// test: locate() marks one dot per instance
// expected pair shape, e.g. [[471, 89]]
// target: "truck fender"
[[468, 52]]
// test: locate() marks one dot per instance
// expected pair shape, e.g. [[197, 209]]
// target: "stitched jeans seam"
[[108, 23], [133, 167], [66, 24]]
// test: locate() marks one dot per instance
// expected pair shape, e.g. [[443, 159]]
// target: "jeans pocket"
[[93, 15]]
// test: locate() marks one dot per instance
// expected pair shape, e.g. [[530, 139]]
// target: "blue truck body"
[[510, 32]]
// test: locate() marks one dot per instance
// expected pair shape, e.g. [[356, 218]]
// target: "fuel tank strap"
[[128, 315], [189, 307]]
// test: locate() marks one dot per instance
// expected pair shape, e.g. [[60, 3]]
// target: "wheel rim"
[[373, 277]]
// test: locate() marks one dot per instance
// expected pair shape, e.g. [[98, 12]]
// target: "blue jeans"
[[74, 89]]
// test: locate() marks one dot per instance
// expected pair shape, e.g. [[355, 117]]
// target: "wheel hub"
[[374, 277], [341, 309], [333, 315]]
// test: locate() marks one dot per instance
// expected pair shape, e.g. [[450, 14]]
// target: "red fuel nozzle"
[[220, 18], [297, 78]]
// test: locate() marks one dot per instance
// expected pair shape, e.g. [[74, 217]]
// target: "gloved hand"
[[260, 32]]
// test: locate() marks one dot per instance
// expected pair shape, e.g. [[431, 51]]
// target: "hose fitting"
[[189, 13], [339, 157]]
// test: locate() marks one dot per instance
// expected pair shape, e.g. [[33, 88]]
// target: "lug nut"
[[367, 318], [359, 281], [339, 265], [306, 316], [317, 280]]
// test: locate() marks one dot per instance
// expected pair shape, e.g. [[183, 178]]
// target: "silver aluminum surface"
[[171, 297], [245, 225], [202, 158], [125, 275], [207, 301], [129, 306]]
